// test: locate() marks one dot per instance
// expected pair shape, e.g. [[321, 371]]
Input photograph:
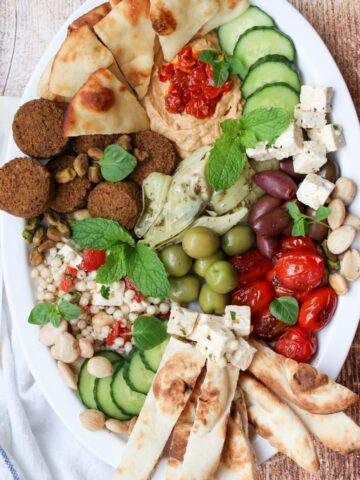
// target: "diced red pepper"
[[92, 259], [118, 330], [68, 279], [130, 286]]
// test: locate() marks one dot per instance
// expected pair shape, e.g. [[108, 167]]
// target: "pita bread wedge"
[[91, 18], [228, 10], [177, 22], [171, 389], [43, 90], [299, 383], [127, 32], [103, 105], [274, 420]]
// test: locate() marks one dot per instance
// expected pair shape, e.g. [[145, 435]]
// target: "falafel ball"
[[72, 195], [37, 128], [121, 201], [26, 187], [82, 143], [161, 155]]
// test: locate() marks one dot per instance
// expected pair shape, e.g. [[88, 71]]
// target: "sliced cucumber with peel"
[[258, 42], [270, 69], [137, 376], [275, 95], [129, 401], [152, 358], [230, 32]]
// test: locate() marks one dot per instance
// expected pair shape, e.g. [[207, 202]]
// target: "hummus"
[[187, 132]]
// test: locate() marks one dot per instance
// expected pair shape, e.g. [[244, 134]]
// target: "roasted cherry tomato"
[[256, 295], [297, 344], [250, 266], [67, 279], [266, 326], [282, 291], [92, 259], [297, 243], [318, 309], [118, 331], [299, 270]]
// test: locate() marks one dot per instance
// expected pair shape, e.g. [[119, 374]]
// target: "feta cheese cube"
[[114, 296], [243, 356], [309, 119], [203, 321], [314, 191], [311, 159], [214, 340], [238, 319], [71, 255], [316, 99], [331, 136], [260, 153], [288, 144], [182, 321]]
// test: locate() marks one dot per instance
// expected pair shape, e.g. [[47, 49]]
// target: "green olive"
[[184, 289], [212, 302], [175, 260], [200, 242], [238, 240], [221, 277], [202, 264]]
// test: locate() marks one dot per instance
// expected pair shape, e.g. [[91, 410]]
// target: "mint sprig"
[[222, 63], [302, 222], [285, 309], [53, 313], [148, 332], [116, 163], [99, 233]]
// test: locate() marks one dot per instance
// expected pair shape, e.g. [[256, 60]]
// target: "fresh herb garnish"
[[233, 315], [44, 313], [105, 292], [302, 222], [99, 233], [222, 63], [116, 163], [148, 332], [285, 309], [227, 158], [114, 268]]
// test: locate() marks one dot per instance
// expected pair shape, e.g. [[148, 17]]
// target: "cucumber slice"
[[152, 358], [270, 69], [230, 32], [259, 42], [126, 399], [278, 95], [86, 382], [137, 376]]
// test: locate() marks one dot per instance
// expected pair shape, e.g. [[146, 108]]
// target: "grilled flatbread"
[[175, 380], [127, 32], [228, 10], [43, 90], [176, 22], [299, 383], [104, 105], [91, 18], [274, 420]]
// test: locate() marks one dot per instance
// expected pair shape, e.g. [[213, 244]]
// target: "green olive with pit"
[[238, 240], [212, 302], [221, 277], [202, 264], [200, 242], [175, 260], [184, 289]]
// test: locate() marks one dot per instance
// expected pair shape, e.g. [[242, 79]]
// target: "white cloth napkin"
[[34, 444]]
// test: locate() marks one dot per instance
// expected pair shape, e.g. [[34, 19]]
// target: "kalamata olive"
[[268, 246], [264, 205], [317, 231], [276, 184], [330, 171], [287, 166], [272, 223]]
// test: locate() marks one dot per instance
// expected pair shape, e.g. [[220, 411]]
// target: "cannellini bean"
[[338, 213], [353, 221], [86, 348], [67, 375], [116, 426], [92, 420], [341, 239], [100, 367], [66, 348], [102, 319], [350, 265], [48, 333], [338, 283], [345, 189]]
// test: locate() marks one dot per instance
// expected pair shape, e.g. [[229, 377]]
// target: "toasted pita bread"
[[172, 386], [127, 32], [104, 105], [43, 90], [91, 18], [228, 10], [299, 383], [274, 420], [177, 22]]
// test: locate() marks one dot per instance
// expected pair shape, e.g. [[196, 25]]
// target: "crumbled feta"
[[331, 136], [204, 320], [243, 356], [114, 293], [316, 99], [182, 321], [311, 159], [238, 318], [214, 340], [314, 191], [288, 144], [309, 119], [70, 254], [260, 153]]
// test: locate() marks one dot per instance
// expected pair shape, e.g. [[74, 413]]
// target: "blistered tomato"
[[250, 266], [266, 326], [297, 344], [288, 244], [299, 270], [318, 309], [281, 291], [256, 295], [92, 259]]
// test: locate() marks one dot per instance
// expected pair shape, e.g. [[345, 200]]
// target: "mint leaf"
[[99, 233], [44, 313], [148, 332], [248, 138], [300, 228], [116, 163], [230, 127], [322, 213], [114, 269], [294, 211], [227, 160], [68, 310], [266, 124], [220, 73], [285, 309], [146, 271], [208, 56]]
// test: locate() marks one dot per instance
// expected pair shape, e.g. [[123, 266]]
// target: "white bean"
[[353, 221], [350, 265], [345, 189], [338, 283], [341, 239], [338, 213]]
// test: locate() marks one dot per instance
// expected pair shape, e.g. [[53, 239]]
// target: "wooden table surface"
[[26, 28]]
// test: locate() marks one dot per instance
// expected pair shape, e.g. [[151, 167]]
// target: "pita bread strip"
[[171, 389], [91, 18], [274, 420], [228, 10], [299, 383], [103, 105], [43, 86]]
